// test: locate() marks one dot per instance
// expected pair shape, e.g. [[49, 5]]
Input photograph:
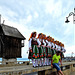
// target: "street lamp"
[[71, 13]]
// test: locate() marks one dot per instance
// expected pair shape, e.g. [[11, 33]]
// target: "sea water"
[[19, 59]]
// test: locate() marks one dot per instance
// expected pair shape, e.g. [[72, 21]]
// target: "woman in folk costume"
[[62, 50], [48, 49], [39, 40], [33, 50], [61, 53], [59, 46], [52, 46], [56, 45], [44, 49]]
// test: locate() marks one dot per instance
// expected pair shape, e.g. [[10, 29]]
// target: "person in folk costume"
[[62, 50], [55, 43], [52, 46], [33, 50], [44, 49], [48, 49], [57, 46], [39, 40]]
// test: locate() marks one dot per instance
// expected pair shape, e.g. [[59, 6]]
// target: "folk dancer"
[[62, 50], [48, 49], [44, 49], [33, 50], [39, 39], [52, 46]]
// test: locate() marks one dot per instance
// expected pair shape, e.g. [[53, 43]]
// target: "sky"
[[42, 16]]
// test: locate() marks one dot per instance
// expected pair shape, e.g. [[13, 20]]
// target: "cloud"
[[69, 50], [36, 15], [29, 18], [47, 16]]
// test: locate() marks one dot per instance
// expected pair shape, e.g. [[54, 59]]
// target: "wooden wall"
[[12, 47], [1, 46]]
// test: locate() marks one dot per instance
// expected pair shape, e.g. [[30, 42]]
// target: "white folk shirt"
[[59, 48], [44, 42], [39, 41], [53, 45], [63, 49], [48, 43], [30, 47]]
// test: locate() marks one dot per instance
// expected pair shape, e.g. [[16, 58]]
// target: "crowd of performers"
[[42, 48]]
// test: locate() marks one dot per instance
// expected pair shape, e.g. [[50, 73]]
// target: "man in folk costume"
[[33, 49], [48, 49], [44, 49], [39, 40]]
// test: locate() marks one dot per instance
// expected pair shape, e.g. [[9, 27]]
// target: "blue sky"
[[46, 16]]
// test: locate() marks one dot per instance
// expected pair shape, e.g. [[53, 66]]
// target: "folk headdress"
[[43, 36], [57, 42], [32, 34], [52, 39], [63, 45], [47, 38], [39, 35]]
